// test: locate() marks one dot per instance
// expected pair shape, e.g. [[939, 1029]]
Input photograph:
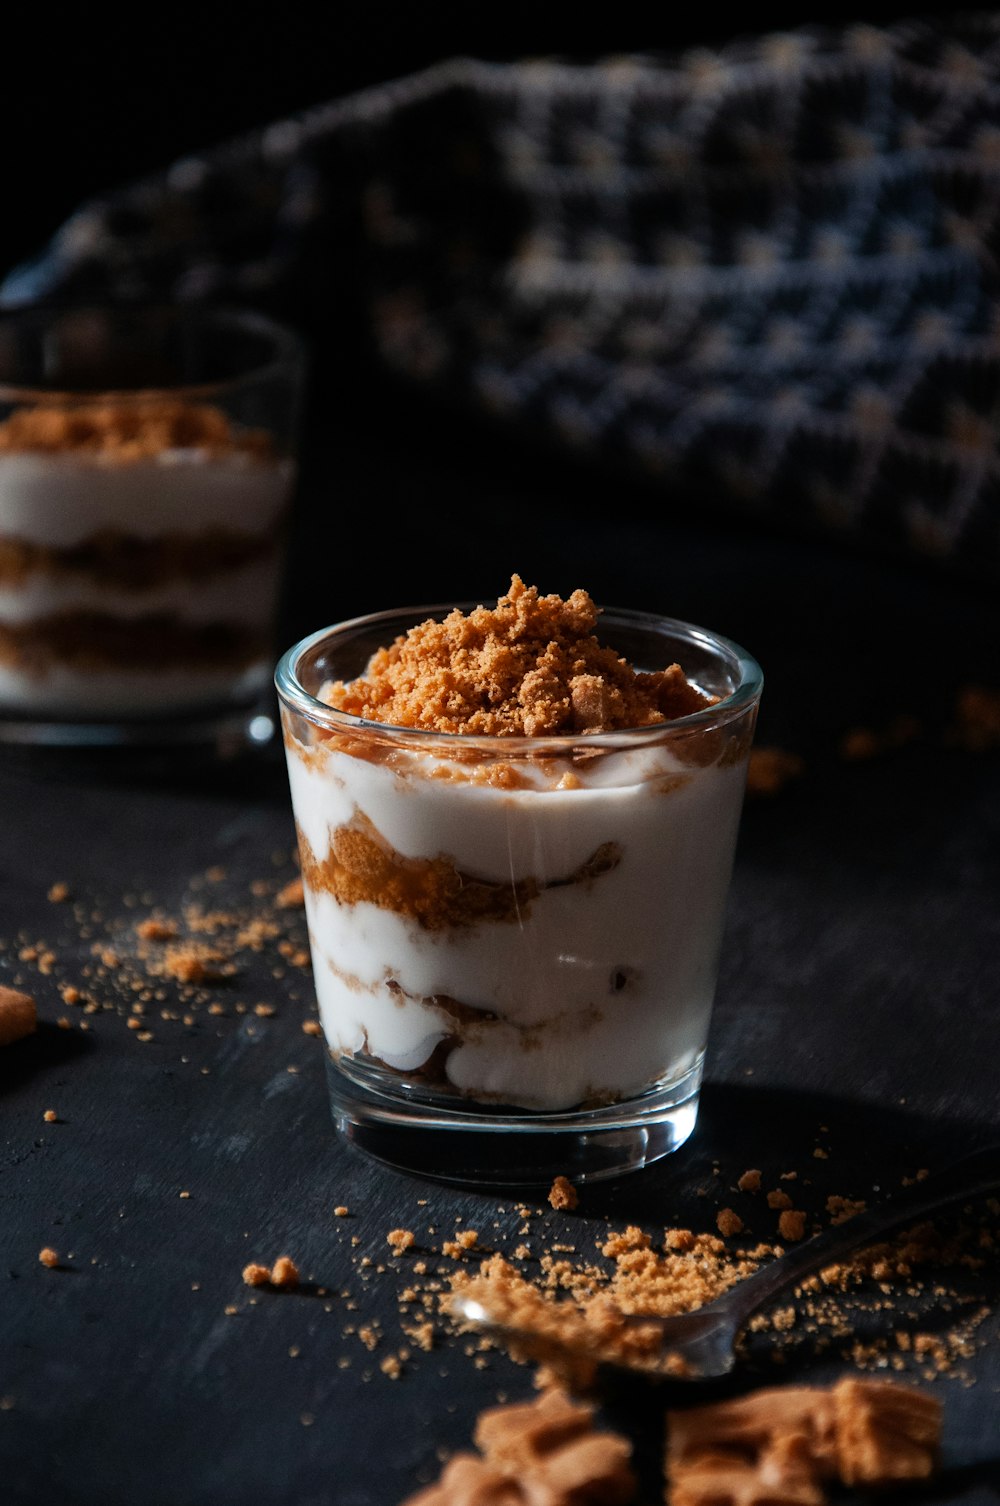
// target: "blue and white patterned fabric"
[[766, 274]]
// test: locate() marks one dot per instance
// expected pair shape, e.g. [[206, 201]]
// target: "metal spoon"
[[701, 1345]]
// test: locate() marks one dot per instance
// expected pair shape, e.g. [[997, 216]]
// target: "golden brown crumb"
[[312, 1027], [770, 769], [778, 1199], [457, 1247], [59, 893], [631, 1238], [422, 1335], [264, 1011], [284, 1273], [562, 1194], [191, 963], [184, 1194], [256, 1275], [70, 994], [792, 1224], [18, 1016], [155, 929], [531, 666], [749, 1181], [50, 1116], [681, 1240], [341, 1211], [49, 1257], [400, 1240], [728, 1222], [292, 896], [843, 1208]]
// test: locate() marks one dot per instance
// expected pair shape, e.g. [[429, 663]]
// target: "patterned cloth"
[[765, 274]]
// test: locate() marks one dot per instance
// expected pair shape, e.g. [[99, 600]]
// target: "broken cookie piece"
[[540, 1453], [778, 1446], [18, 1016], [469, 1481], [885, 1432]]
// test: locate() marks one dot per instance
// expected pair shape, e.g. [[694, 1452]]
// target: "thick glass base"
[[224, 733], [480, 1145]]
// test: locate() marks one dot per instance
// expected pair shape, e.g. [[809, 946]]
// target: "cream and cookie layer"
[[547, 944], [139, 558]]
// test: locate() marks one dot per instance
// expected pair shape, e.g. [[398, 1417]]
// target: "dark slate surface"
[[858, 993]]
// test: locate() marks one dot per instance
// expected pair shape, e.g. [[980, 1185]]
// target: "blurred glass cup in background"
[[147, 462]]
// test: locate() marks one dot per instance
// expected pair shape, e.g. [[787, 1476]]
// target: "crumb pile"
[[128, 431], [880, 1308], [540, 1453], [589, 1324], [529, 667]]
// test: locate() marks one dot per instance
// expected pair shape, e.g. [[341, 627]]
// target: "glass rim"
[[293, 694], [288, 350]]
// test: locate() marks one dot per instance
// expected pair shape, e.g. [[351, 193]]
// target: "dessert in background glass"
[[146, 471], [515, 938]]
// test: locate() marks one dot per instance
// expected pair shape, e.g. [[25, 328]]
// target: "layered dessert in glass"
[[517, 827], [141, 525]]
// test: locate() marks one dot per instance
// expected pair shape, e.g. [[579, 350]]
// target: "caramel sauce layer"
[[361, 867], [90, 641]]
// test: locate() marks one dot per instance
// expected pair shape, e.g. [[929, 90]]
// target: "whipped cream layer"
[[246, 595], [58, 502], [593, 978]]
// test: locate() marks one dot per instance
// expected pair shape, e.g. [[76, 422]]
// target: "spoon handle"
[[973, 1176]]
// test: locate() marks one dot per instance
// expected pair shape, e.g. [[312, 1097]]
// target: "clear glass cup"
[[515, 940], [147, 463]]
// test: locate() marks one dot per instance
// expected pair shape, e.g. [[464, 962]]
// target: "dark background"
[[857, 986], [90, 100]]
